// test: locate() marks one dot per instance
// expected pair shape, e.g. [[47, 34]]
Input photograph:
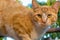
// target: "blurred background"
[[50, 35]]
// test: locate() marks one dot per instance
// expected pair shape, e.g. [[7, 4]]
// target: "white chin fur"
[[39, 23]]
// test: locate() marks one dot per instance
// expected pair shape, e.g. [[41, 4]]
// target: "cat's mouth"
[[42, 24]]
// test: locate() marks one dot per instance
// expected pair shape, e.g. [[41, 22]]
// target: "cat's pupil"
[[49, 15], [39, 15]]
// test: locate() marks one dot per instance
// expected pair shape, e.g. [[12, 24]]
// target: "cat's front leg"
[[25, 37], [2, 26], [11, 32]]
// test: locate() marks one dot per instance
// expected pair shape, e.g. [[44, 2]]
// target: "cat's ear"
[[56, 6], [34, 4]]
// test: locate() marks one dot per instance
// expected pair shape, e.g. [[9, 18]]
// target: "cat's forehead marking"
[[44, 9]]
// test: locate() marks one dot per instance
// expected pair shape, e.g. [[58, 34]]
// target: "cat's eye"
[[39, 15], [49, 15]]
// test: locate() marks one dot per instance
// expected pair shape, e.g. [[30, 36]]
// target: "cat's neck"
[[38, 32], [34, 35]]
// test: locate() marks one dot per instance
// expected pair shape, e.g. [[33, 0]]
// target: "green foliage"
[[1, 38], [43, 3], [48, 2], [16, 0]]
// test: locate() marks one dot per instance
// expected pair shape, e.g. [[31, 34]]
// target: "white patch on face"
[[48, 22], [39, 23], [44, 17]]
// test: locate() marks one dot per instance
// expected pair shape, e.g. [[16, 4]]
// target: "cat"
[[26, 24]]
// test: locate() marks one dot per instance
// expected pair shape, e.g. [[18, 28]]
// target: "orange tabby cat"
[[23, 24]]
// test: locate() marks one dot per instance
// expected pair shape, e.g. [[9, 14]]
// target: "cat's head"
[[45, 15]]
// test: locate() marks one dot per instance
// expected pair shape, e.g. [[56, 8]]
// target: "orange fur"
[[26, 24]]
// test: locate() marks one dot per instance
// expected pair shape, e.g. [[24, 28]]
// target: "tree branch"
[[53, 30]]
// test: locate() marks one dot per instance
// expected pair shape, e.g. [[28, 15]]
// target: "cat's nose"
[[43, 21], [44, 18]]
